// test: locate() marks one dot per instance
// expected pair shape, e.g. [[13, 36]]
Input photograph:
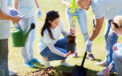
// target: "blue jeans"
[[82, 19], [61, 45], [4, 57], [110, 39]]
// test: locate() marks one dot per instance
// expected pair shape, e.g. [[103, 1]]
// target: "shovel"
[[80, 70]]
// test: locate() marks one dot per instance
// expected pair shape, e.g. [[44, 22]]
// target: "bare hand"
[[108, 69], [68, 54], [16, 19], [72, 31]]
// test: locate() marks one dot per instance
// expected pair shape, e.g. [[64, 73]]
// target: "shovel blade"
[[79, 71]]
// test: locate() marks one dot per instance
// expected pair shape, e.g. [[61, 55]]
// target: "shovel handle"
[[84, 57]]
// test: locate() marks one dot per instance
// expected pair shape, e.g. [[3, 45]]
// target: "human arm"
[[97, 28], [16, 4], [65, 2], [63, 31], [38, 9], [56, 51], [5, 16], [95, 32]]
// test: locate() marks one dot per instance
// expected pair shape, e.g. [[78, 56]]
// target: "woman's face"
[[54, 23], [117, 31]]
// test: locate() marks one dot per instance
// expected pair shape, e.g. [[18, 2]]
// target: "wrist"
[[10, 18], [65, 55], [38, 9], [90, 41]]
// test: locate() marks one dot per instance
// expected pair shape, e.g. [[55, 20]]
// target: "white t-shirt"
[[46, 40], [26, 8], [119, 48], [4, 24], [107, 8]]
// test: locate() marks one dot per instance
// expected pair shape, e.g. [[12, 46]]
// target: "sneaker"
[[35, 61], [11, 73], [74, 55], [66, 64], [91, 57], [46, 62], [102, 63], [29, 64], [101, 73]]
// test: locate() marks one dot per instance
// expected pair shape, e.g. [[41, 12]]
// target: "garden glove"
[[88, 45], [38, 13], [13, 12]]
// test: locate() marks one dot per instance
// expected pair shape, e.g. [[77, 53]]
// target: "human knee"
[[116, 57], [86, 36]]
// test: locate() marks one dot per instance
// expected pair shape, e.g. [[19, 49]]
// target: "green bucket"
[[18, 37]]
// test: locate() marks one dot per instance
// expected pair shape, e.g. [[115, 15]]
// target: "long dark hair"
[[50, 16]]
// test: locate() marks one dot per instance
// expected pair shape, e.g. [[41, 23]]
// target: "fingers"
[[69, 53], [72, 31], [107, 72]]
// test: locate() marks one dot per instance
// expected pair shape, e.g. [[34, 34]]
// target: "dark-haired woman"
[[50, 46]]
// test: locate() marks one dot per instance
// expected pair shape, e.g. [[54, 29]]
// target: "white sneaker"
[[66, 64], [11, 73], [102, 63], [101, 73], [45, 62]]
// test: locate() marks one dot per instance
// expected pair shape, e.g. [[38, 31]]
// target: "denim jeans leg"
[[52, 56], [107, 30], [82, 19], [4, 57], [62, 43], [69, 17], [112, 39]]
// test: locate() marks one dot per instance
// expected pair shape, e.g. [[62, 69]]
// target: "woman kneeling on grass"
[[117, 54], [49, 46]]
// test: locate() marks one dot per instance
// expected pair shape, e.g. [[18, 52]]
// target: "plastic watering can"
[[18, 36]]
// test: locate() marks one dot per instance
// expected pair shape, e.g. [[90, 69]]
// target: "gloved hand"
[[38, 13], [13, 12], [88, 45], [108, 69]]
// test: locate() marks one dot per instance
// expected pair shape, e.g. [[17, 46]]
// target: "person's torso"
[[56, 34], [119, 47], [26, 8], [110, 8], [4, 24]]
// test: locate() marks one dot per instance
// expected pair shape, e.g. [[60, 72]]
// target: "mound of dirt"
[[49, 72]]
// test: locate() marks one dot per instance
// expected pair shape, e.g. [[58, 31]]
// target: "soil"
[[49, 72]]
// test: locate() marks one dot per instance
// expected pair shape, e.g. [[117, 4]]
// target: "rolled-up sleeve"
[[63, 31]]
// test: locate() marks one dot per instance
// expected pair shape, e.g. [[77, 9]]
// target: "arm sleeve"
[[63, 30], [54, 50], [50, 43], [100, 11]]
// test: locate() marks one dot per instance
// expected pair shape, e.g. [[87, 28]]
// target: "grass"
[[98, 49]]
